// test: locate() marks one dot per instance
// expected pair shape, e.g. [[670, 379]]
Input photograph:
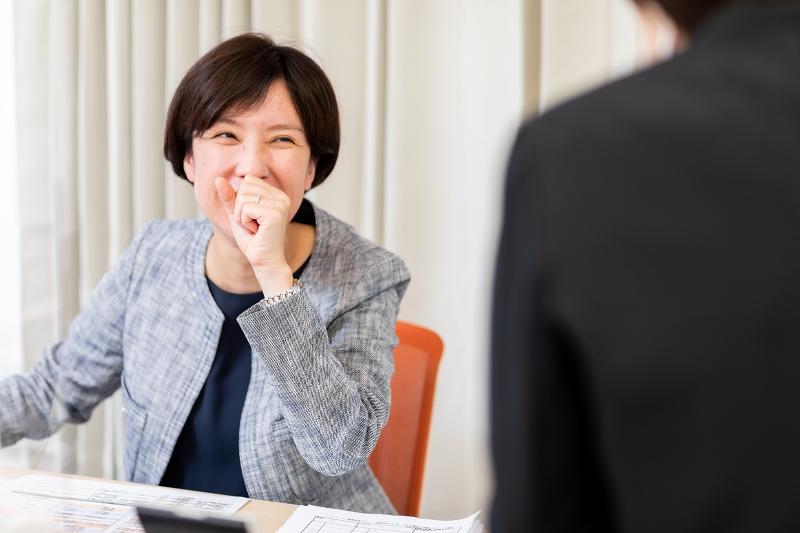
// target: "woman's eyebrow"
[[275, 127], [228, 120]]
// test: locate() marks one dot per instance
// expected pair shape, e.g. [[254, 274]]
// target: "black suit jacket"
[[646, 327]]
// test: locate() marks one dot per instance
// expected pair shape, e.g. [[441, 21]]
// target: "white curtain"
[[431, 93]]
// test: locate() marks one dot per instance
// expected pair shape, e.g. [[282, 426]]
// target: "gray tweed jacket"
[[319, 388]]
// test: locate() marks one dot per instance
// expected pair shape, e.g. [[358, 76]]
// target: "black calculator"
[[164, 521]]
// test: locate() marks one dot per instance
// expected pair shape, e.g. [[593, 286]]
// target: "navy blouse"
[[206, 456]]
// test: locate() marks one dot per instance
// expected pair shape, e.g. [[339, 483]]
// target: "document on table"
[[23, 512], [311, 519], [98, 506], [121, 494]]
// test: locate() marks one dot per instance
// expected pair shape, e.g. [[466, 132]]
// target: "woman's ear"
[[188, 167], [311, 173]]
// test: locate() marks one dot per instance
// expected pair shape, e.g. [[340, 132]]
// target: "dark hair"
[[690, 14], [234, 76]]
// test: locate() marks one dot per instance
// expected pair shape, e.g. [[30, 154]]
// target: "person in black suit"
[[646, 319]]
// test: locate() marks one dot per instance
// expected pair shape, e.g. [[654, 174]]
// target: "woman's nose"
[[253, 159]]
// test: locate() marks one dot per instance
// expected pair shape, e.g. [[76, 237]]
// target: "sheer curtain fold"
[[277, 18], [209, 24], [119, 120], [182, 47], [235, 17], [341, 27], [373, 169], [117, 34], [10, 243], [121, 221], [148, 25], [93, 209], [92, 205]]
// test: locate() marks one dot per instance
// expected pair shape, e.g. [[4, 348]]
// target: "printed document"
[[98, 506], [311, 519], [23, 512]]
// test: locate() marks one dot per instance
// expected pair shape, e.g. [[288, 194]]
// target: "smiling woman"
[[253, 348]]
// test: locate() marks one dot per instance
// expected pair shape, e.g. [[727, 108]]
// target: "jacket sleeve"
[[73, 375], [333, 384]]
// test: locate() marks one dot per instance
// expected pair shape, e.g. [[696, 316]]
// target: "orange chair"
[[398, 459]]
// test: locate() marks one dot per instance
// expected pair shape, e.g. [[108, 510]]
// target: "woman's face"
[[266, 141]]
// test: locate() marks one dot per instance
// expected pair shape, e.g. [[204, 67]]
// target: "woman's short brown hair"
[[690, 14], [234, 76]]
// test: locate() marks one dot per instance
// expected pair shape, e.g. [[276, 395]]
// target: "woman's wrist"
[[275, 280], [285, 295]]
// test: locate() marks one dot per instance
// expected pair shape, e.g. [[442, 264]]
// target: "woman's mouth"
[[235, 182]]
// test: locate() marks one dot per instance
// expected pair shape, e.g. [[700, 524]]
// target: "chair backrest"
[[398, 460]]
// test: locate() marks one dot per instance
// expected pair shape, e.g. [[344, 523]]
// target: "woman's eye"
[[225, 135], [283, 139]]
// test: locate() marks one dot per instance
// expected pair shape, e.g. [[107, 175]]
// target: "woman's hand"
[[259, 215]]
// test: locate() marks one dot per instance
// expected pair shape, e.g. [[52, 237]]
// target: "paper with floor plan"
[[311, 519]]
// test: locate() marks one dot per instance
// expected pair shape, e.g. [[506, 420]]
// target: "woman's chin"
[[222, 229]]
